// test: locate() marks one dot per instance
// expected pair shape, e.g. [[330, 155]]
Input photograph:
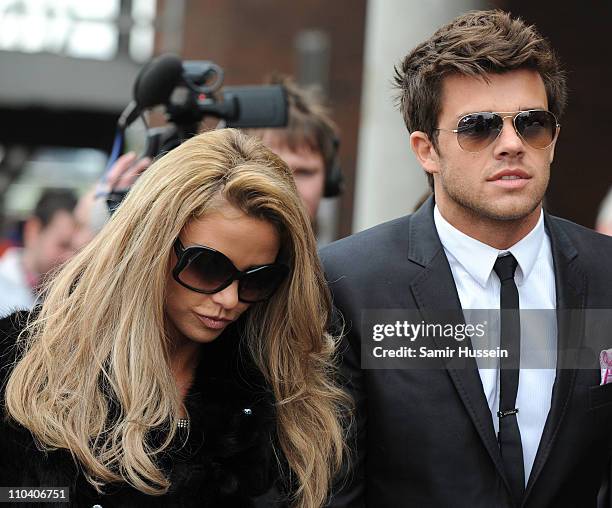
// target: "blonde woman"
[[182, 355]]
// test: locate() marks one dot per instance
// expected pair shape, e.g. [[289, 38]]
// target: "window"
[[77, 28]]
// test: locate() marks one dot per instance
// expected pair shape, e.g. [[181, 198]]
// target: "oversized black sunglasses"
[[536, 127], [208, 271]]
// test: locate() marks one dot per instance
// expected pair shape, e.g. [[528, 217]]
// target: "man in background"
[[309, 146], [47, 243]]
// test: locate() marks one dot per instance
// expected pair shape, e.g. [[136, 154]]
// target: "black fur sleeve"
[[10, 327]]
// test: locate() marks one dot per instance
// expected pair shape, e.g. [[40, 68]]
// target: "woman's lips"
[[213, 323]]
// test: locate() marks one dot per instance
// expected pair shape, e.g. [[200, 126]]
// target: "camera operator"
[[291, 120], [308, 144]]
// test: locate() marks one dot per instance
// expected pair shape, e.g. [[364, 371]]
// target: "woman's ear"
[[424, 151]]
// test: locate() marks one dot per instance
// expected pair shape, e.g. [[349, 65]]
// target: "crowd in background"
[[62, 223]]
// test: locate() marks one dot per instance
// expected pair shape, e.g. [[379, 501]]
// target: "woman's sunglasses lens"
[[261, 284], [478, 130], [538, 128], [207, 271]]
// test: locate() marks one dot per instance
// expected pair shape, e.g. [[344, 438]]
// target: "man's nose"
[[509, 143]]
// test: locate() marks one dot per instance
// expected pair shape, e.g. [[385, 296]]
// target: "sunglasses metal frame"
[[503, 115], [182, 261]]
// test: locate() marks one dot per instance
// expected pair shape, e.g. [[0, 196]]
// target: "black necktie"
[[509, 436]]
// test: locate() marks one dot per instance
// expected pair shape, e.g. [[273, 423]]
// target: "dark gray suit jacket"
[[425, 438]]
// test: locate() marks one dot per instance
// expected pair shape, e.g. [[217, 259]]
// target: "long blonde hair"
[[90, 380]]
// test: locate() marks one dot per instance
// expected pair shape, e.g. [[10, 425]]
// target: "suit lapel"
[[434, 291], [570, 284]]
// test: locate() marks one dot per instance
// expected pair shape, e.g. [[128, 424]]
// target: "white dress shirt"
[[15, 292], [478, 286]]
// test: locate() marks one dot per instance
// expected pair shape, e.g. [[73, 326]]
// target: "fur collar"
[[225, 459]]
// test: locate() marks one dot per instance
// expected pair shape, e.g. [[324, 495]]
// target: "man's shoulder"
[[389, 234], [14, 296], [583, 239], [11, 265]]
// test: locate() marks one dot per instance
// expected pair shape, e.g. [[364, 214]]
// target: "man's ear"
[[31, 231], [425, 152], [552, 148]]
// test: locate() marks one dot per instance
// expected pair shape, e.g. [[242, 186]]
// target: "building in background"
[[317, 41], [68, 69]]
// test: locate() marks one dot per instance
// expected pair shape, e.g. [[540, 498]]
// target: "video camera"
[[190, 91]]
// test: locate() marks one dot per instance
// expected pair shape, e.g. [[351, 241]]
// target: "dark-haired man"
[[47, 243], [481, 99]]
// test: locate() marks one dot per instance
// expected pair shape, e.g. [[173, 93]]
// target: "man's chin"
[[513, 212], [509, 209]]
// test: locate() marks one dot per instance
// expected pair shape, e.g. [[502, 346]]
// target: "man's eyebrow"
[[465, 113], [521, 108]]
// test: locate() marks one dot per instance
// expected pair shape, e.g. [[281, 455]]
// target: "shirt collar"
[[478, 258]]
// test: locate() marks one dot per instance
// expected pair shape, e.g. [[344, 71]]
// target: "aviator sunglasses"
[[536, 127], [208, 271]]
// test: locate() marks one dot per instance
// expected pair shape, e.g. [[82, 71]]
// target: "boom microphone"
[[153, 86], [157, 81], [199, 93]]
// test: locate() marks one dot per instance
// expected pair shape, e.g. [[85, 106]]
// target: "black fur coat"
[[227, 461]]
